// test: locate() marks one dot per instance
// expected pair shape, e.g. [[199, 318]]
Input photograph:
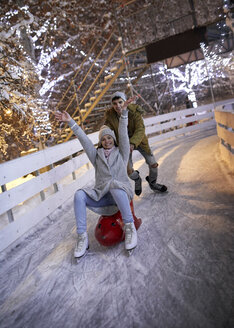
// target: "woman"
[[112, 190]]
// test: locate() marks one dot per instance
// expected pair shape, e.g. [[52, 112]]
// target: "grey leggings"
[[150, 161]]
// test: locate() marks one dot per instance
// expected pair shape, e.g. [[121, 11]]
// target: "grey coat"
[[111, 174]]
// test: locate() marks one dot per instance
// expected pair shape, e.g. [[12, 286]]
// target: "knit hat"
[[104, 130], [119, 94]]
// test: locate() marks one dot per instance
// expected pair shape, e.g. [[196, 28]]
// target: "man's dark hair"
[[116, 98]]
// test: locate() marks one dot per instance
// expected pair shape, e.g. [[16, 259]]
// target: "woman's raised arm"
[[84, 140]]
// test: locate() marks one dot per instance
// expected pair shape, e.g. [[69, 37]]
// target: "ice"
[[180, 275]]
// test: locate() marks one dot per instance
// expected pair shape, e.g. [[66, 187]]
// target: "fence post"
[[73, 173], [41, 192], [9, 212]]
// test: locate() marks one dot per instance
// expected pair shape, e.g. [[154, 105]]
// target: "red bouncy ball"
[[109, 229]]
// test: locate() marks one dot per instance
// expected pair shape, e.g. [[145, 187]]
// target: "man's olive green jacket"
[[136, 128]]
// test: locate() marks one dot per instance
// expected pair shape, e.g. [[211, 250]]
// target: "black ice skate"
[[135, 176], [138, 186], [156, 186]]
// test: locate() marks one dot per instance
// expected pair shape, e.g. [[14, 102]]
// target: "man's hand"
[[131, 147], [129, 101], [62, 116]]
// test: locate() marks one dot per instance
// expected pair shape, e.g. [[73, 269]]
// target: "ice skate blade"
[[130, 251], [78, 259]]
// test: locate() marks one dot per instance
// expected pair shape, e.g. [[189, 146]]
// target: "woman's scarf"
[[107, 152]]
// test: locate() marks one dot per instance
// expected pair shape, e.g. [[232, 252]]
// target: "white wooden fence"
[[224, 116], [26, 198]]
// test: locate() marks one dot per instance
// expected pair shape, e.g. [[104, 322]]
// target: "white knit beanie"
[[105, 130], [119, 94]]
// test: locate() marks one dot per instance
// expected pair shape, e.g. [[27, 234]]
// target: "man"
[[137, 138]]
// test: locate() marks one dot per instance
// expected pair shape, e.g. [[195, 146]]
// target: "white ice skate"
[[130, 237], [82, 245]]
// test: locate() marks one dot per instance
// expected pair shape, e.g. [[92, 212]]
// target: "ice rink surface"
[[180, 276]]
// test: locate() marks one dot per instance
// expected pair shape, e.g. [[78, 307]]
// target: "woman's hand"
[[62, 116]]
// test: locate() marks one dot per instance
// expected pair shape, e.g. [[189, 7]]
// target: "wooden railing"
[[35, 185], [224, 116]]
